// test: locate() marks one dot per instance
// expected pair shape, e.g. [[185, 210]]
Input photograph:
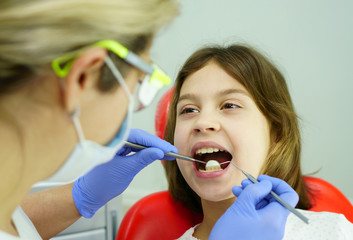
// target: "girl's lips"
[[213, 174]]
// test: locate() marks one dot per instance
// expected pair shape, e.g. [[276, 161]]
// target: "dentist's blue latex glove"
[[255, 215], [108, 180]]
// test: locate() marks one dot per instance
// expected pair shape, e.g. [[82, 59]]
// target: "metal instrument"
[[170, 154]]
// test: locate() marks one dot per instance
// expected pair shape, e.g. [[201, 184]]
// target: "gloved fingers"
[[143, 158], [237, 190], [245, 183], [282, 189], [124, 151], [255, 193], [168, 158], [263, 203], [144, 138], [278, 185], [274, 208]]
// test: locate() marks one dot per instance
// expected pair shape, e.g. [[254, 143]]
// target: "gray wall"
[[311, 41]]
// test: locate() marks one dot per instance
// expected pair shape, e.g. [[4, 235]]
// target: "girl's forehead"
[[209, 79]]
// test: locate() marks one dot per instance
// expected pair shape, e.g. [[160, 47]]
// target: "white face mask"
[[88, 154]]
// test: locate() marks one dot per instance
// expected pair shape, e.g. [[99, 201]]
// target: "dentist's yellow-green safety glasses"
[[150, 86]]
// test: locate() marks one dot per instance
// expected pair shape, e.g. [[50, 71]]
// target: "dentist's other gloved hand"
[[255, 214], [108, 180]]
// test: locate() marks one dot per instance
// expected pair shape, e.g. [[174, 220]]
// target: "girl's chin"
[[215, 196], [219, 199]]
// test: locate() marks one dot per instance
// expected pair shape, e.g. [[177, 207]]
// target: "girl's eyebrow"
[[191, 96], [234, 90], [188, 96]]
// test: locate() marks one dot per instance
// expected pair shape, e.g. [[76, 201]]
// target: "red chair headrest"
[[162, 112]]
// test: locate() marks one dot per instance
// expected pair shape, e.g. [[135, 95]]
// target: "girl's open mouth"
[[215, 159]]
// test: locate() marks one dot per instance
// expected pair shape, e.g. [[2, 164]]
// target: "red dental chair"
[[158, 216]]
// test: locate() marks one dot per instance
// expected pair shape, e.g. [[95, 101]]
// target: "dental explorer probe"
[[275, 196]]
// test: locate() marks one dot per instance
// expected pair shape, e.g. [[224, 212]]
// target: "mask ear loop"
[[74, 116], [118, 76], [120, 79]]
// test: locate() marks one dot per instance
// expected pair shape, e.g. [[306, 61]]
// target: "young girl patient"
[[232, 104]]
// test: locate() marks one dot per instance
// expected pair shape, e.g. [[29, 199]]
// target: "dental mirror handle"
[[170, 154]]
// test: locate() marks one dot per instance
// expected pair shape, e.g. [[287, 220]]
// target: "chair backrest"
[[158, 216], [327, 198]]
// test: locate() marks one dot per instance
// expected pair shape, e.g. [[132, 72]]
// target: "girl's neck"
[[212, 212]]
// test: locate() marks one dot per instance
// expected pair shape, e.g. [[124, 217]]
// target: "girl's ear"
[[83, 75]]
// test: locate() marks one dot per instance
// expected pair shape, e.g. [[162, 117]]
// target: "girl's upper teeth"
[[207, 150]]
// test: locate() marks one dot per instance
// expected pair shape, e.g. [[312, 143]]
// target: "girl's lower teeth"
[[213, 169], [212, 166]]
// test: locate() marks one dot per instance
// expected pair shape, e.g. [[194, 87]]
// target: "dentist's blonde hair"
[[33, 33]]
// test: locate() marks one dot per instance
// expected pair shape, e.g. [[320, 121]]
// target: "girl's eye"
[[229, 105], [187, 110]]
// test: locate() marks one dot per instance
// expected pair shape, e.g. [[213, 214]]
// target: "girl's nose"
[[206, 124]]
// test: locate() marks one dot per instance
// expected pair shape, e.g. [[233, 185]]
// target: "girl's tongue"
[[218, 156]]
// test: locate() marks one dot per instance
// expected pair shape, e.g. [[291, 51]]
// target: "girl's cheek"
[[179, 138], [181, 165]]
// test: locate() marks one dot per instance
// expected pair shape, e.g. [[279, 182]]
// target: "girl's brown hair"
[[269, 91]]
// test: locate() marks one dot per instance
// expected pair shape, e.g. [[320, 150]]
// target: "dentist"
[[68, 71]]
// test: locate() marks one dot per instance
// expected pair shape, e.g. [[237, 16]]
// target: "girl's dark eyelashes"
[[230, 105], [187, 110]]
